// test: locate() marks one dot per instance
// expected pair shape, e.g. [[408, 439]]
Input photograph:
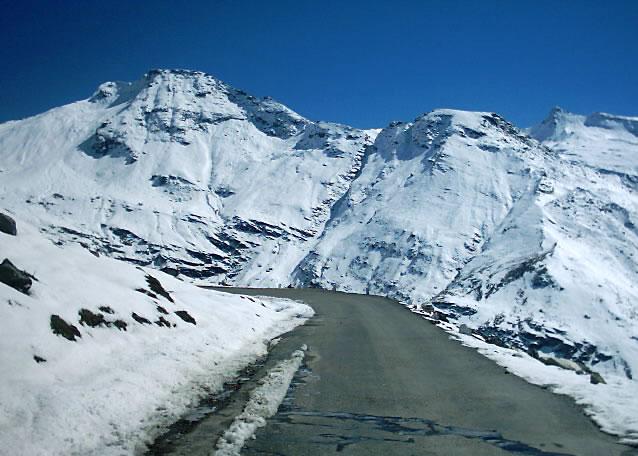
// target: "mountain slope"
[[100, 356], [428, 195], [178, 171], [557, 277]]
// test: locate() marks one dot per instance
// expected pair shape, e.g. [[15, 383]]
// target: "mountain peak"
[[555, 125], [186, 82]]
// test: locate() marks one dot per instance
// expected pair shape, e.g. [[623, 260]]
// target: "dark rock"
[[160, 309], [542, 278], [595, 378], [7, 225], [106, 309], [170, 271], [447, 308], [440, 316], [185, 316], [127, 237], [163, 322], [64, 329], [39, 359], [224, 192], [88, 318], [147, 292], [14, 277], [120, 324], [139, 319], [156, 287]]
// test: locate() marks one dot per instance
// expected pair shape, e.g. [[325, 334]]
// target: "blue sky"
[[363, 63]]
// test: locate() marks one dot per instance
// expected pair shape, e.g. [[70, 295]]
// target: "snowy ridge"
[[557, 278], [526, 239]]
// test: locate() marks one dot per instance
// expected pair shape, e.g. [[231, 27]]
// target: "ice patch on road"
[[263, 403]]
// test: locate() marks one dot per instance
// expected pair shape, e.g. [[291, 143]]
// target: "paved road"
[[380, 381]]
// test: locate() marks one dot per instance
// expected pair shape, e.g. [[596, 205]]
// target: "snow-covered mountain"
[[178, 171], [526, 238], [558, 275]]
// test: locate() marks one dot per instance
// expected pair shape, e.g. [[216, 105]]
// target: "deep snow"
[[112, 390]]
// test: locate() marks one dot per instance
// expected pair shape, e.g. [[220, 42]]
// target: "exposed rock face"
[[464, 329], [595, 378], [92, 319], [184, 315], [7, 225]]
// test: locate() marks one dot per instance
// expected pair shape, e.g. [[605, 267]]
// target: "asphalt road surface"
[[378, 380]]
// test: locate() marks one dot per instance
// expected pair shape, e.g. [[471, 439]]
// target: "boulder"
[[157, 288], [8, 225], [64, 329], [140, 319], [120, 324], [14, 277], [185, 316], [88, 318]]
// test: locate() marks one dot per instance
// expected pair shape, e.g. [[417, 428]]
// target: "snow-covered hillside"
[[98, 355], [180, 172], [525, 238], [559, 274]]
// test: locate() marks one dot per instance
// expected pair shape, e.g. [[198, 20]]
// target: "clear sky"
[[363, 63]]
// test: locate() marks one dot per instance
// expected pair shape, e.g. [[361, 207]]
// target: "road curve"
[[381, 381]]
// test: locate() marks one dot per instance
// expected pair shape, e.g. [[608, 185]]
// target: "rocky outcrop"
[[7, 225], [14, 277]]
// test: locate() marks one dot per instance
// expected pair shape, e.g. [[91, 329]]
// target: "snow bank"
[[263, 403], [611, 405], [144, 353]]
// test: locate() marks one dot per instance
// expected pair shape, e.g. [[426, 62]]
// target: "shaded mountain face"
[[528, 238]]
